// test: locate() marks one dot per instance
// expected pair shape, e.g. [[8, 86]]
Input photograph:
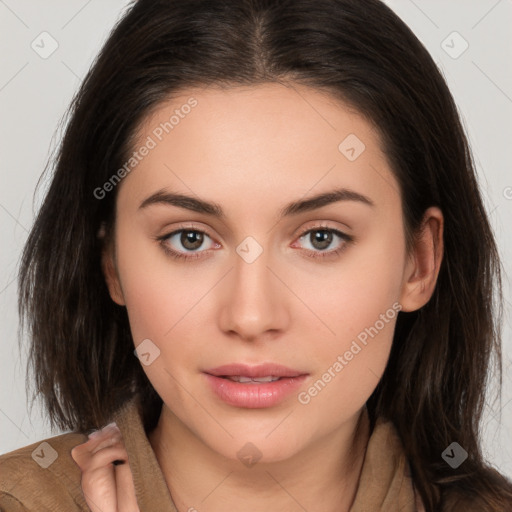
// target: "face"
[[315, 288]]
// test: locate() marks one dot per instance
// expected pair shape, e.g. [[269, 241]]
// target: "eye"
[[182, 241], [323, 237], [185, 243]]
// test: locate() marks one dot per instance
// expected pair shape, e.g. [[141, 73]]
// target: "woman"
[[275, 370]]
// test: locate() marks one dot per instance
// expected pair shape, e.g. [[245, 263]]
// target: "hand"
[[107, 487]]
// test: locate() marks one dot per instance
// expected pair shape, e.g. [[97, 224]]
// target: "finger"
[[104, 457], [99, 489], [126, 499], [98, 481], [105, 441], [82, 453], [104, 480], [100, 438]]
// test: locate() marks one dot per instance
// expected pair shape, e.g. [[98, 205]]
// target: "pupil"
[[191, 239], [324, 238]]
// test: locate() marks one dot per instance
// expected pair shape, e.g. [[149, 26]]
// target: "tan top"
[[44, 477]]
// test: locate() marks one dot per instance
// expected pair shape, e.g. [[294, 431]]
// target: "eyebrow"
[[211, 208]]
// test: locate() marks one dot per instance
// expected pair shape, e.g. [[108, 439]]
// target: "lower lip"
[[254, 396]]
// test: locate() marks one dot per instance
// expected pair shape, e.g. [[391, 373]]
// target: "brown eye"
[[191, 240], [322, 239], [186, 243]]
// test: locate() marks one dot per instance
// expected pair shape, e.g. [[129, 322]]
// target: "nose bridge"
[[252, 278], [253, 304]]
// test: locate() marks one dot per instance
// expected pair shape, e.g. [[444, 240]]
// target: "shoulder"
[[42, 476]]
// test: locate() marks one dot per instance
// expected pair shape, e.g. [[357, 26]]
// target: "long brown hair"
[[433, 388]]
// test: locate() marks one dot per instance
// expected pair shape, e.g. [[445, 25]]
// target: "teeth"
[[241, 378]]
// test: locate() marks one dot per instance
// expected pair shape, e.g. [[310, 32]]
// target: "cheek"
[[163, 302], [351, 365], [350, 295], [362, 305], [151, 294], [159, 302]]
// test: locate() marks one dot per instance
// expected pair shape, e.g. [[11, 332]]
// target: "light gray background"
[[35, 92]]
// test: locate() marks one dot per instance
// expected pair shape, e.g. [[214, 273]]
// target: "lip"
[[260, 370], [254, 395]]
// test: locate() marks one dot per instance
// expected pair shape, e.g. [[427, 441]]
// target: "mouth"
[[248, 380], [266, 371], [254, 387]]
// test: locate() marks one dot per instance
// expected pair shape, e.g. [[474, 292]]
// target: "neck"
[[322, 476]]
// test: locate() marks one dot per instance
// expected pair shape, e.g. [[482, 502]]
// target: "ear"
[[109, 268], [424, 261]]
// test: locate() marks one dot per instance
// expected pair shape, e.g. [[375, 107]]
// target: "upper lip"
[[260, 370]]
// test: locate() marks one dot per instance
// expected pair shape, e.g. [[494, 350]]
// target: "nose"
[[254, 301]]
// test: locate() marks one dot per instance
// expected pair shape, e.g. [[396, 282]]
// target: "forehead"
[[254, 142]]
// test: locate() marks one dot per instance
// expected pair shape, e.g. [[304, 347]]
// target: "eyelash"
[[309, 253]]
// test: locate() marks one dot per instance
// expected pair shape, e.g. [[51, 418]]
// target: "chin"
[[255, 446]]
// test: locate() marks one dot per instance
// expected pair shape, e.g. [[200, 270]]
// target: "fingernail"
[[99, 432]]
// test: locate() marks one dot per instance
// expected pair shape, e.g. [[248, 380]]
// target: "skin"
[[253, 150], [106, 487]]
